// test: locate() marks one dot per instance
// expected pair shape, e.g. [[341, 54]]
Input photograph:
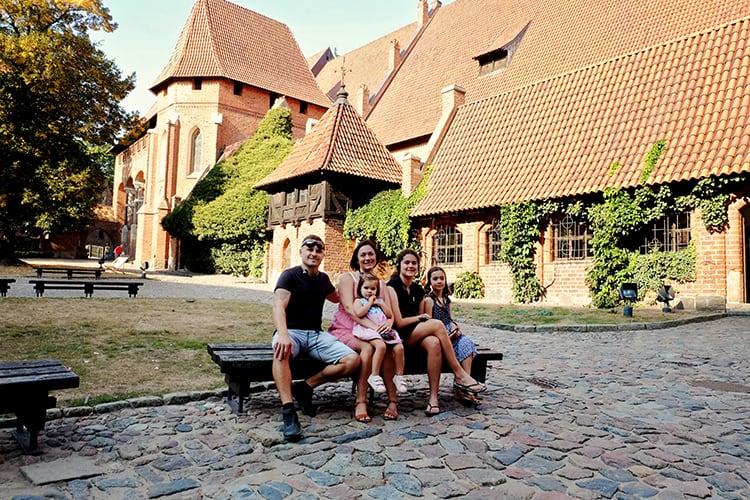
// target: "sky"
[[148, 31]]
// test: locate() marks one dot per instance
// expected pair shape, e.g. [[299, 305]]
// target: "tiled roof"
[[221, 39], [367, 64], [559, 137], [340, 143], [562, 36]]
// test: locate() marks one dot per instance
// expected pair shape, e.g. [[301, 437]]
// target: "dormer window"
[[492, 61], [498, 55]]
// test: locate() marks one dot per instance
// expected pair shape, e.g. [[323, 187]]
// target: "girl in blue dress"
[[437, 303]]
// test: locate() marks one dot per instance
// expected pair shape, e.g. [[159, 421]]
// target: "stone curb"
[[656, 325]]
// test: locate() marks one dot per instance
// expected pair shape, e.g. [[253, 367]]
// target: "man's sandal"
[[390, 414], [432, 410]]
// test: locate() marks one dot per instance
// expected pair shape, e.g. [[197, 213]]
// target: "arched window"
[[197, 142], [448, 245], [494, 242]]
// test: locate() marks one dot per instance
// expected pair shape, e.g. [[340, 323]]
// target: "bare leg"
[[436, 329], [389, 370], [282, 376], [398, 358], [431, 346], [346, 366], [378, 355]]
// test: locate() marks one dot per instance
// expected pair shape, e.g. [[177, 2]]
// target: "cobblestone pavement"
[[621, 414]]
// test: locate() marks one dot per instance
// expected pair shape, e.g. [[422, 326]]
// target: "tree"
[[59, 95]]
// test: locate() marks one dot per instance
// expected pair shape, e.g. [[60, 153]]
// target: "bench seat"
[[242, 364], [88, 286], [24, 391], [5, 285], [70, 272]]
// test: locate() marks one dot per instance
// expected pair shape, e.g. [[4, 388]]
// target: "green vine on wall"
[[385, 219], [521, 226]]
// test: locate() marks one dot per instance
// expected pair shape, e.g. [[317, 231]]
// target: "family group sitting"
[[375, 324]]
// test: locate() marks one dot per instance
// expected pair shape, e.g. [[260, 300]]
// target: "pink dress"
[[377, 316], [343, 324]]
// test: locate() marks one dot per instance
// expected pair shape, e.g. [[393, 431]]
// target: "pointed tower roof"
[[339, 143], [223, 40]]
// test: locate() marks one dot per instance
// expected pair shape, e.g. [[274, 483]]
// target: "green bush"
[[654, 269], [468, 285]]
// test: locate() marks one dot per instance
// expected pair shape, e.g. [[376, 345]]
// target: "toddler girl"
[[368, 304]]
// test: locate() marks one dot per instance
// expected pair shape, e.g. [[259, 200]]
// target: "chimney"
[[453, 97], [362, 100], [394, 55], [411, 173], [423, 13]]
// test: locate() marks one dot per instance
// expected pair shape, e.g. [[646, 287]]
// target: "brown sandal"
[[391, 414], [362, 417]]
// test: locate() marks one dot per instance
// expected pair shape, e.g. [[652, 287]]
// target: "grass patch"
[[124, 348]]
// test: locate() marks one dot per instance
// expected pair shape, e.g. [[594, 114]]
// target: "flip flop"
[[476, 387], [467, 399], [432, 410]]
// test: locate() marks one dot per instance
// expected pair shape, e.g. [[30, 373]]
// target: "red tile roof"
[[366, 65], [558, 137], [563, 36], [340, 143], [221, 39]]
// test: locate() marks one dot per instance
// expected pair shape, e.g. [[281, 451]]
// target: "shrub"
[[468, 285]]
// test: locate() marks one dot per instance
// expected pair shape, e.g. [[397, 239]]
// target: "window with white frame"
[[668, 234], [448, 245], [572, 240]]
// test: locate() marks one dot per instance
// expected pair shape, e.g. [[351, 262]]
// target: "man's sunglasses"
[[310, 244]]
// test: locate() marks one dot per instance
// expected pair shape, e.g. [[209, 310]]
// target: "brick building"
[[338, 165], [506, 101], [535, 100], [208, 98]]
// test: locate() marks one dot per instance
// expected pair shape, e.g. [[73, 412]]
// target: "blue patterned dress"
[[463, 346]]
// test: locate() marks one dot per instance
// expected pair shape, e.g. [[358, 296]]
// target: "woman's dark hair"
[[354, 262], [428, 287], [368, 277]]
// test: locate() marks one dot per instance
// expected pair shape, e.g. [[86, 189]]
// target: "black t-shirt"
[[308, 294], [408, 303]]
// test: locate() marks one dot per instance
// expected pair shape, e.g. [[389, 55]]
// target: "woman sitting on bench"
[[421, 330]]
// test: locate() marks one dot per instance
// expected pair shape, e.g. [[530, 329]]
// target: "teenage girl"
[[376, 310]]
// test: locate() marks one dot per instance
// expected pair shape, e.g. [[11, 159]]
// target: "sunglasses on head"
[[310, 244]]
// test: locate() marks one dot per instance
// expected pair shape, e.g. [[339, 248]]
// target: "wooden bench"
[[242, 364], [24, 391], [88, 287], [70, 272], [5, 285]]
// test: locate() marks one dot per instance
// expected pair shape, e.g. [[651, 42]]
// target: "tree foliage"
[[224, 218], [59, 95]]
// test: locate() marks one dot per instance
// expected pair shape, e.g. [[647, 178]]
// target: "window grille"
[[668, 234], [572, 240], [448, 245]]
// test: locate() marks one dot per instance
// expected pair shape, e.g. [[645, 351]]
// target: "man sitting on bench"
[[298, 302]]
